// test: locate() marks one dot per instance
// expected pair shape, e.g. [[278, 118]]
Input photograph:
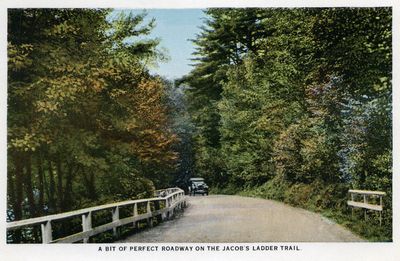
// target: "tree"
[[86, 121]]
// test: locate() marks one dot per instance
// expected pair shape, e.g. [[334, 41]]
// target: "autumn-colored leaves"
[[86, 121]]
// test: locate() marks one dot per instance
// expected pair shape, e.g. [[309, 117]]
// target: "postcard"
[[199, 130]]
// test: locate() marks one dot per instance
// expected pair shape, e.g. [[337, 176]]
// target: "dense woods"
[[295, 104], [87, 124], [288, 104]]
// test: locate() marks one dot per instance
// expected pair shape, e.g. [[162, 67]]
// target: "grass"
[[330, 202]]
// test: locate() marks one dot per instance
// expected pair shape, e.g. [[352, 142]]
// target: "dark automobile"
[[197, 186]]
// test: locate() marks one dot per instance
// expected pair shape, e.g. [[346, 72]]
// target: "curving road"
[[221, 219]]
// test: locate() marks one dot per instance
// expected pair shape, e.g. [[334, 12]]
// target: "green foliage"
[[330, 201], [303, 100], [87, 124], [355, 43], [303, 153], [286, 104]]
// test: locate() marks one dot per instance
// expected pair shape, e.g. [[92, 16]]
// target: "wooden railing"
[[365, 204], [171, 199]]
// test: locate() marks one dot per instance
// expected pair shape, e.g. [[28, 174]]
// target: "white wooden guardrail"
[[365, 204], [173, 198]]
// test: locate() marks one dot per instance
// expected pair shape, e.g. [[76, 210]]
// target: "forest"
[[293, 105]]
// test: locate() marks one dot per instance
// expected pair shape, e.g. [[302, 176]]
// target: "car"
[[197, 186]]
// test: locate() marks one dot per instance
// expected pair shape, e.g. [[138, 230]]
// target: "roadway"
[[222, 219]]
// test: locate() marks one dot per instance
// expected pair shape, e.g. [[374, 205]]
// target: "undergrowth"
[[328, 200]]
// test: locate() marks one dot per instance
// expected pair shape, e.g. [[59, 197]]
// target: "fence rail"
[[173, 198], [365, 204]]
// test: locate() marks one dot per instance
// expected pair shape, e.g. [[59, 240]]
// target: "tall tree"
[[86, 121]]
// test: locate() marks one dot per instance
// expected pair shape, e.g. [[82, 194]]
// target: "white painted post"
[[171, 203], [365, 210], [86, 224], [380, 212], [164, 214], [135, 213], [115, 217], [168, 203], [148, 207], [179, 200], [352, 209], [149, 219], [47, 236]]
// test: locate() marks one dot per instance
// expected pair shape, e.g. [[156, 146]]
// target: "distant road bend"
[[219, 219]]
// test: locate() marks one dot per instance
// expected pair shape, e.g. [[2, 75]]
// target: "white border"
[[314, 251], [193, 3]]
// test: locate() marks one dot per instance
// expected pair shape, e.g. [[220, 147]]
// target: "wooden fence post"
[[135, 213], [171, 204], [86, 224], [115, 217], [352, 209], [164, 214], [47, 236], [149, 219], [380, 212], [365, 210]]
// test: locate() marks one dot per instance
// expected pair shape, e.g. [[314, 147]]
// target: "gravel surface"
[[223, 219]]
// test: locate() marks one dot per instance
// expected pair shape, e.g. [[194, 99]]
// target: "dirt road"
[[219, 219]]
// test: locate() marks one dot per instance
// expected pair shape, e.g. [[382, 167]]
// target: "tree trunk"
[[19, 177], [41, 185], [10, 194], [90, 185], [17, 204], [29, 186], [67, 204], [30, 195], [60, 198], [50, 196]]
